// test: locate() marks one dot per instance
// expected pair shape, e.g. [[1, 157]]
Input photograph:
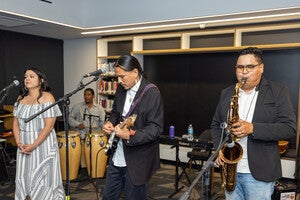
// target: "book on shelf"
[[108, 68], [108, 87], [106, 104]]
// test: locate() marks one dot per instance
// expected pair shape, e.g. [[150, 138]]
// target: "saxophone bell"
[[231, 152]]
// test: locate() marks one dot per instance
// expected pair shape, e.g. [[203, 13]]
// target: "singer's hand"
[[108, 127], [242, 128], [27, 148]]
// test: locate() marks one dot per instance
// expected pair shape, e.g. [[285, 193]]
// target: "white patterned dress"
[[38, 174]]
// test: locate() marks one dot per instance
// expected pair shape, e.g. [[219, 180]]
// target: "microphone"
[[95, 73], [13, 84], [230, 142]]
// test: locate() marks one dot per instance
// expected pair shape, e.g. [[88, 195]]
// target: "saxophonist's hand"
[[219, 161], [242, 128]]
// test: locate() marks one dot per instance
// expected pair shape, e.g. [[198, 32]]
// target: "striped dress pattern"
[[38, 174]]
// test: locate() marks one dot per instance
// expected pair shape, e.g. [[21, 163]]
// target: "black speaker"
[[284, 190]]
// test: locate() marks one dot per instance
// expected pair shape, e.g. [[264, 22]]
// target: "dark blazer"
[[273, 120], [142, 149]]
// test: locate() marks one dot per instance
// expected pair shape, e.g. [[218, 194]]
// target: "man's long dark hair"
[[129, 63]]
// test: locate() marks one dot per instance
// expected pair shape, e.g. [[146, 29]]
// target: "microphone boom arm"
[[63, 99]]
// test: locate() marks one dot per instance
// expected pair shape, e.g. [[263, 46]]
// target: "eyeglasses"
[[249, 68]]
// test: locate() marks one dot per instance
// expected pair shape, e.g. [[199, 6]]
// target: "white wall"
[[79, 59], [91, 13], [116, 12]]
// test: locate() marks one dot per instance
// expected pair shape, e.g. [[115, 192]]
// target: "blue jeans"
[[118, 178], [248, 188]]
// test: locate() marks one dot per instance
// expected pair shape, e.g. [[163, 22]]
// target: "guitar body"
[[112, 143], [111, 148]]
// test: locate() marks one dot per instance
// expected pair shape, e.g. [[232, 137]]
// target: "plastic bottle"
[[172, 132], [190, 133]]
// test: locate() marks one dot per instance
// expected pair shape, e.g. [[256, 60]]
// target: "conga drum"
[[74, 153], [283, 146], [94, 149]]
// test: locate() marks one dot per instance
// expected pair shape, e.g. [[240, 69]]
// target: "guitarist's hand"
[[108, 127], [123, 133]]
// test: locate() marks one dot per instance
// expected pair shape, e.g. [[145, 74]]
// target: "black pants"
[[117, 179]]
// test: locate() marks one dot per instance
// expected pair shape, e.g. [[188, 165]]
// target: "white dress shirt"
[[118, 157], [247, 101]]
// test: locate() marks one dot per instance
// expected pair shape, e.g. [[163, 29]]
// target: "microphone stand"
[[65, 102], [206, 172], [90, 137], [5, 95]]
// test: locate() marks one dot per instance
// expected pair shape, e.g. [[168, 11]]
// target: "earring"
[[25, 88]]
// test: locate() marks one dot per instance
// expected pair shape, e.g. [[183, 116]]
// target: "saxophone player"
[[266, 115]]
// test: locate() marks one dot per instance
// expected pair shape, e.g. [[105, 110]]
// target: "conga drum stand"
[[90, 135]]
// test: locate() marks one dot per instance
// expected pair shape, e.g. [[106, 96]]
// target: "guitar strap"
[[112, 142], [135, 103]]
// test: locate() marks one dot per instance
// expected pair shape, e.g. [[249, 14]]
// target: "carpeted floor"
[[161, 185]]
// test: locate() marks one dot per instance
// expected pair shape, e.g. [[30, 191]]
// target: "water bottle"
[[190, 133], [172, 132]]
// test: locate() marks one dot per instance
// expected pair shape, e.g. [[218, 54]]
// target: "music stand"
[[177, 176], [65, 103]]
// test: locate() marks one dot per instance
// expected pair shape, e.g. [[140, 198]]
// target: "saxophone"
[[229, 154]]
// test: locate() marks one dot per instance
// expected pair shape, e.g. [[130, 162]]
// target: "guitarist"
[[136, 157]]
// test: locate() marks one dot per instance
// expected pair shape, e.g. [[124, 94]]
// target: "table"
[[176, 142]]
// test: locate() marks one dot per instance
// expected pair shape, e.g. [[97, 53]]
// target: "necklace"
[[244, 103], [130, 99]]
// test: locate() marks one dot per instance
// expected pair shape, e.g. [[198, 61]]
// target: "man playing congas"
[[84, 115]]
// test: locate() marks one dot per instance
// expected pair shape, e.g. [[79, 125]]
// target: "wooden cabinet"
[[107, 87], [108, 51], [7, 118], [107, 84], [268, 36]]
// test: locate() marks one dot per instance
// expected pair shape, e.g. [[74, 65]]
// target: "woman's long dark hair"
[[43, 82]]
